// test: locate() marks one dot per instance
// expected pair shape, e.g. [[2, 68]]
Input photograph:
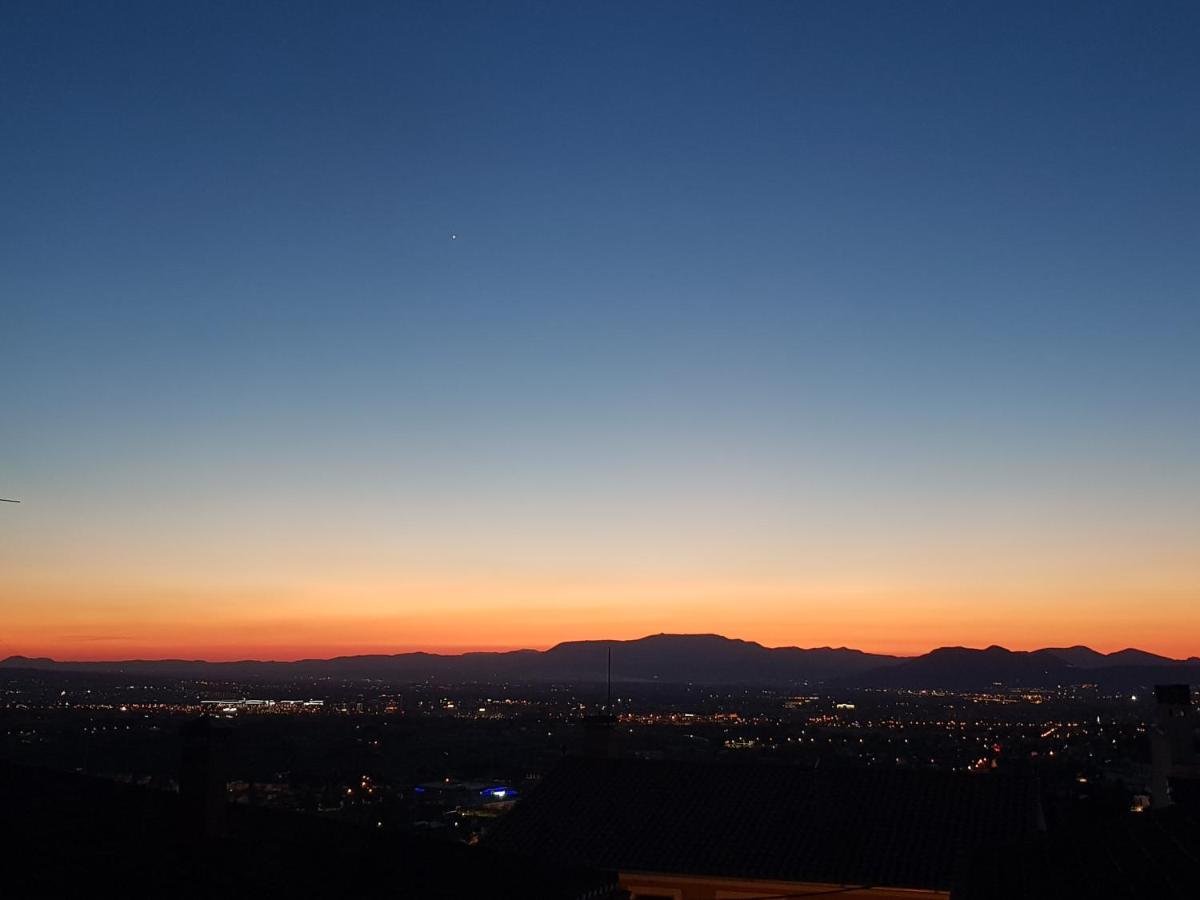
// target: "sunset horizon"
[[607, 450], [103, 649], [883, 336]]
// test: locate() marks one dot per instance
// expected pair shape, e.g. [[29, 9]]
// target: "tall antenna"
[[608, 707]]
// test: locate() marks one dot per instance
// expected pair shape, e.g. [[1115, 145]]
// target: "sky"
[[336, 328]]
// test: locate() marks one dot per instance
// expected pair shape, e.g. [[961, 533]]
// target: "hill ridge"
[[689, 658]]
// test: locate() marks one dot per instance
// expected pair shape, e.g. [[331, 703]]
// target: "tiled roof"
[[1146, 856], [849, 826]]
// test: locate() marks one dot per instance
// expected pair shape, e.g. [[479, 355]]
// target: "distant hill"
[[706, 659], [1087, 658], [963, 668], [699, 659], [665, 658]]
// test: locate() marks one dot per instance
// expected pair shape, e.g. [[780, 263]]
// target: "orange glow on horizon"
[[67, 622]]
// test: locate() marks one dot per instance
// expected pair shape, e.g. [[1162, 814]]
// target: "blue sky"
[[740, 280]]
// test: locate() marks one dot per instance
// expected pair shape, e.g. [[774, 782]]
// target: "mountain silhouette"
[[1087, 658], [664, 658], [966, 669], [697, 659], [963, 668]]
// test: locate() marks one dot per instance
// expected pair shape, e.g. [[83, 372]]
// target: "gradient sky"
[[873, 324]]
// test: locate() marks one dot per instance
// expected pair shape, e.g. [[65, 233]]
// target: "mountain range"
[[700, 659]]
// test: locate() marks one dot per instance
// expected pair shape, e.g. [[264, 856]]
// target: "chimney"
[[1172, 740], [202, 776]]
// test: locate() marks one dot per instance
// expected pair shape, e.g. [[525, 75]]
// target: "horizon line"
[[467, 649]]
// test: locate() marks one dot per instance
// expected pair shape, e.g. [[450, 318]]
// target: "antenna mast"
[[608, 707]]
